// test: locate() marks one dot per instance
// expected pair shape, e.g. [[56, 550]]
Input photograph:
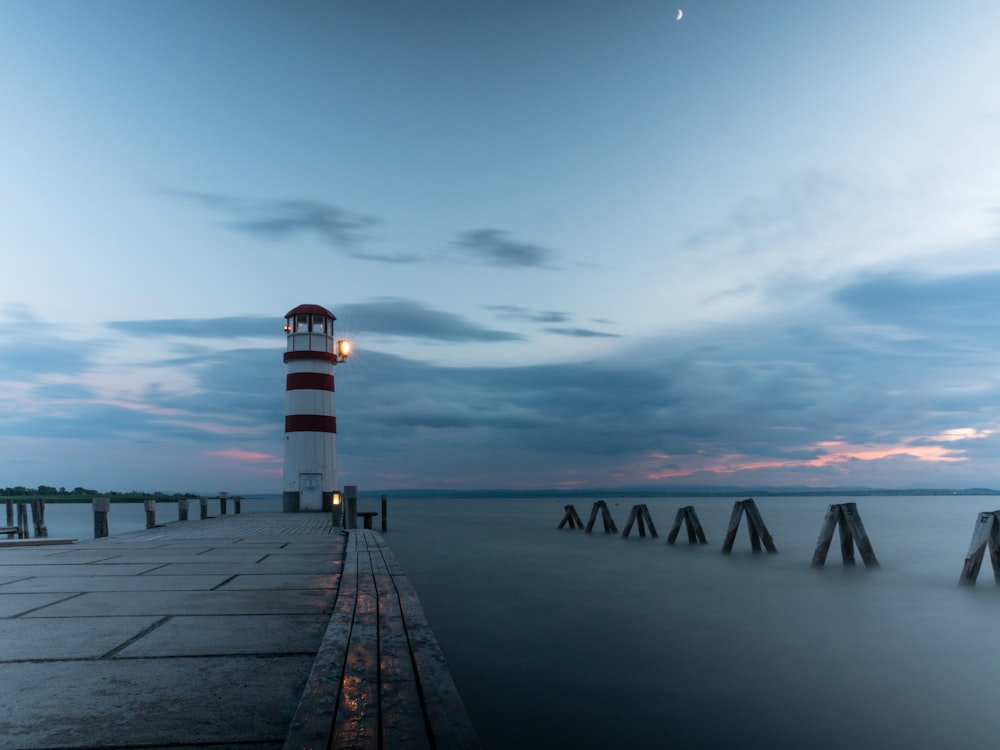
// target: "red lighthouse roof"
[[310, 310]]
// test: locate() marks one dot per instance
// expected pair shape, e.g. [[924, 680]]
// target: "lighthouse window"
[[301, 323], [319, 324]]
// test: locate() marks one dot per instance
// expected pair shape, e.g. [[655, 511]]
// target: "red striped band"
[[307, 354], [317, 381], [310, 423]]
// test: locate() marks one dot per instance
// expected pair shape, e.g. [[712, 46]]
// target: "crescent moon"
[[680, 13]]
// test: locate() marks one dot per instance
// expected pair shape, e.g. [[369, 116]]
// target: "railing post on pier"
[[572, 518], [689, 518], [755, 524], [351, 499], [101, 506], [38, 518], [182, 509], [640, 514], [236, 504], [150, 506], [385, 513], [204, 507], [10, 518], [223, 499]]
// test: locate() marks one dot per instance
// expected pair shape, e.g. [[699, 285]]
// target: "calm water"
[[562, 639]]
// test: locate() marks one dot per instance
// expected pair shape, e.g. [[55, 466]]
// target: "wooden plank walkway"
[[380, 679]]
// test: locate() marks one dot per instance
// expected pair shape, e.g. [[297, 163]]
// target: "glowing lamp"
[[343, 348], [336, 498]]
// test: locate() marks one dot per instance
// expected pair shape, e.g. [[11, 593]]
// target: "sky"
[[576, 244]]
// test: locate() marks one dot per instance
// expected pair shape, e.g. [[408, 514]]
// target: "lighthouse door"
[[310, 492]]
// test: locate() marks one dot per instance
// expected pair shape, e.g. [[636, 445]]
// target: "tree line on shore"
[[82, 494]]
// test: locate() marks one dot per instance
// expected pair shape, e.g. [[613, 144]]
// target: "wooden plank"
[[32, 542], [356, 724], [593, 517], [402, 725], [691, 518], [649, 520], [609, 522], [825, 536], [734, 525], [576, 518], [756, 521], [981, 533], [450, 726], [631, 520], [313, 721], [680, 518], [857, 530]]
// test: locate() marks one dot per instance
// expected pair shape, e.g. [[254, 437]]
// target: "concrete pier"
[[192, 634]]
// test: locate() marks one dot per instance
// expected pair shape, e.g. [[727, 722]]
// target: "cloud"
[[514, 312], [340, 228], [583, 333], [247, 326], [401, 317], [493, 247]]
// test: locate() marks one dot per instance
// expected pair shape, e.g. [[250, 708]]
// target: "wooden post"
[[640, 515], [182, 509], [852, 531], [755, 525], [101, 506], [150, 506], [236, 504], [571, 517], [38, 518], [986, 532], [22, 521], [609, 522], [385, 513], [10, 520], [351, 500], [204, 507], [223, 502], [689, 518]]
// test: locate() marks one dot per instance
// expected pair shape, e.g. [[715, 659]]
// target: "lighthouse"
[[310, 473]]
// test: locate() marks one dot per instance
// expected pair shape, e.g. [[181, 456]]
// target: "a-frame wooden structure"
[[609, 522], [689, 518], [852, 531], [640, 514], [571, 518], [986, 533], [755, 523]]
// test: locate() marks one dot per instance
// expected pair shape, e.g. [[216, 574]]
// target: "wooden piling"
[[236, 504], [755, 525], [10, 528], [571, 517], [223, 502], [204, 507], [101, 506], [985, 533], [38, 518], [852, 532], [385, 513], [150, 507], [639, 515], [689, 518], [609, 522], [22, 521], [182, 509], [351, 500]]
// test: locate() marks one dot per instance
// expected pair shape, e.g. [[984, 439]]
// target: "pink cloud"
[[237, 454]]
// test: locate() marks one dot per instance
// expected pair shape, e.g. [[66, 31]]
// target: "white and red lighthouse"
[[310, 474]]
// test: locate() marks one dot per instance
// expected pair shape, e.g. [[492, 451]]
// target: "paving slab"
[[257, 602], [168, 702], [84, 584], [21, 639], [282, 581], [229, 634], [276, 567], [12, 605]]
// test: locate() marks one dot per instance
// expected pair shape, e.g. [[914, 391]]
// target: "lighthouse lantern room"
[[310, 469]]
